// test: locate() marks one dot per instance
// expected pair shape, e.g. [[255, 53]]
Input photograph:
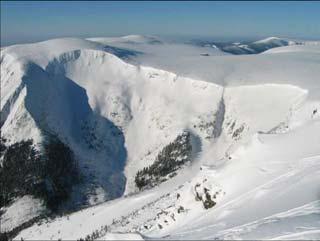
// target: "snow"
[[121, 236], [148, 104], [309, 48], [255, 119], [132, 39], [21, 211], [42, 52], [273, 171], [270, 40]]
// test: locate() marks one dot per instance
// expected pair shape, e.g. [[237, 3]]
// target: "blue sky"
[[33, 21]]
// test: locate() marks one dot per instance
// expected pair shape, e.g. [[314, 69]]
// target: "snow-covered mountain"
[[129, 39], [180, 144], [249, 47]]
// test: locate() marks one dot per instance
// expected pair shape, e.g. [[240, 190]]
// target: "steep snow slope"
[[47, 103], [91, 99], [146, 103], [253, 121]]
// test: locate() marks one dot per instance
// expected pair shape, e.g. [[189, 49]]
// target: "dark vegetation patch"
[[20, 172], [170, 159], [48, 174], [61, 172]]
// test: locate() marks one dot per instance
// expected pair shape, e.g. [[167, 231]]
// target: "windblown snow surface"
[[254, 122]]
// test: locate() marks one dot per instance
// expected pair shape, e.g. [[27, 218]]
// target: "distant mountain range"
[[248, 47]]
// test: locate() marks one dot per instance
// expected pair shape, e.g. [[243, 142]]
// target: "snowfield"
[[118, 103]]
